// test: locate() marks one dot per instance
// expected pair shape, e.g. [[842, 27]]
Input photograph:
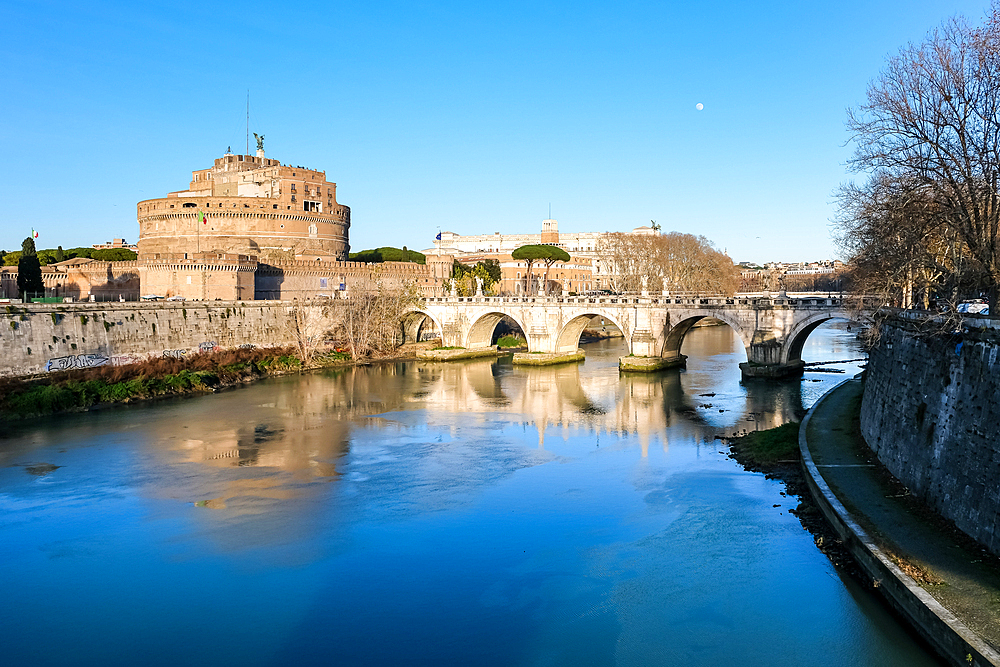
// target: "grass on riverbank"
[[80, 389], [764, 448], [511, 341]]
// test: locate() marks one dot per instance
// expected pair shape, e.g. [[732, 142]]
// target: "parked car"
[[175, 298], [151, 297], [974, 306]]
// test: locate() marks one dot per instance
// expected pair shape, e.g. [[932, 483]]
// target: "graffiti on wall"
[[93, 360], [75, 361], [125, 359]]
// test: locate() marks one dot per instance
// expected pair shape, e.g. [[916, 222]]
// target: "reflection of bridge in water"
[[772, 329], [557, 399], [254, 449], [305, 427]]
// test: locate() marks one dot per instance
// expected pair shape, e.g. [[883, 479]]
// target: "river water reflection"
[[432, 514]]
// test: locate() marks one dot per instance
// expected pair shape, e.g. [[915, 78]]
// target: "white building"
[[581, 245]]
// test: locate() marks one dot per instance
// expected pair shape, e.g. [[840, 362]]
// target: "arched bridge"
[[773, 328]]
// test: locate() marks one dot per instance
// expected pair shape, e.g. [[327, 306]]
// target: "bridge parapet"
[[631, 299]]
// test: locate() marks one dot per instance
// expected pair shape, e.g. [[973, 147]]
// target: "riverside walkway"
[[943, 584]]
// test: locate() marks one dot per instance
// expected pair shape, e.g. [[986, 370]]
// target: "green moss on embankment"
[[81, 389]]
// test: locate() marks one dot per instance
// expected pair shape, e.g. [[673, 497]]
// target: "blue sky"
[[470, 117]]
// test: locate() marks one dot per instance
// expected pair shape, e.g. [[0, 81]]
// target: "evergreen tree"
[[60, 255], [29, 271]]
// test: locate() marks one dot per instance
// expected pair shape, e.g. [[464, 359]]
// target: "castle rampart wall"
[[104, 280], [302, 279]]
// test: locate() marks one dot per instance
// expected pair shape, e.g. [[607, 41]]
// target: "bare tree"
[[371, 321], [931, 122], [310, 324], [902, 248], [673, 261]]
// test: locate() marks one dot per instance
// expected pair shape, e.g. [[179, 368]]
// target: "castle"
[[247, 205], [246, 228]]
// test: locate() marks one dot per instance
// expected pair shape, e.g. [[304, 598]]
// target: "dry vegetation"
[[675, 262]]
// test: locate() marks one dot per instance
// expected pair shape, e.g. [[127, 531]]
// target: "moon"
[[699, 106]]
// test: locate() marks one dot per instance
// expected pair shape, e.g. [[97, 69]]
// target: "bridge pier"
[[767, 356], [772, 371], [651, 364]]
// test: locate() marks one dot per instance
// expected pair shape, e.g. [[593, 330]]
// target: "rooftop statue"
[[260, 141]]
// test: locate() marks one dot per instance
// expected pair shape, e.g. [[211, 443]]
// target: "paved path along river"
[[429, 514]]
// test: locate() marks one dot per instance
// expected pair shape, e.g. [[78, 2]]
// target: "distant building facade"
[[116, 243], [583, 273]]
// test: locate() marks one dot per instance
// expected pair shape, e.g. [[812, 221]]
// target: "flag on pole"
[[34, 234], [202, 218]]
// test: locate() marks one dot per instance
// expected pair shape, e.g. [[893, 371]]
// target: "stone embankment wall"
[[40, 338], [931, 412]]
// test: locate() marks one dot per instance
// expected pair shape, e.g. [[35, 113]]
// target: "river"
[[431, 514]]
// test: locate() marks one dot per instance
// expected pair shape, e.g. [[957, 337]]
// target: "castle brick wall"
[[239, 225]]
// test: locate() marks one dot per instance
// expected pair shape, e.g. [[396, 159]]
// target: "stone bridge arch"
[[568, 339], [796, 339], [677, 327], [481, 332], [413, 322]]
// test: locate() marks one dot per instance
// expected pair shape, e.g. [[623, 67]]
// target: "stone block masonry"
[[931, 413], [41, 338]]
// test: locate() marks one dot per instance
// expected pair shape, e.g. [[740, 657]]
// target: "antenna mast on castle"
[[248, 122]]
